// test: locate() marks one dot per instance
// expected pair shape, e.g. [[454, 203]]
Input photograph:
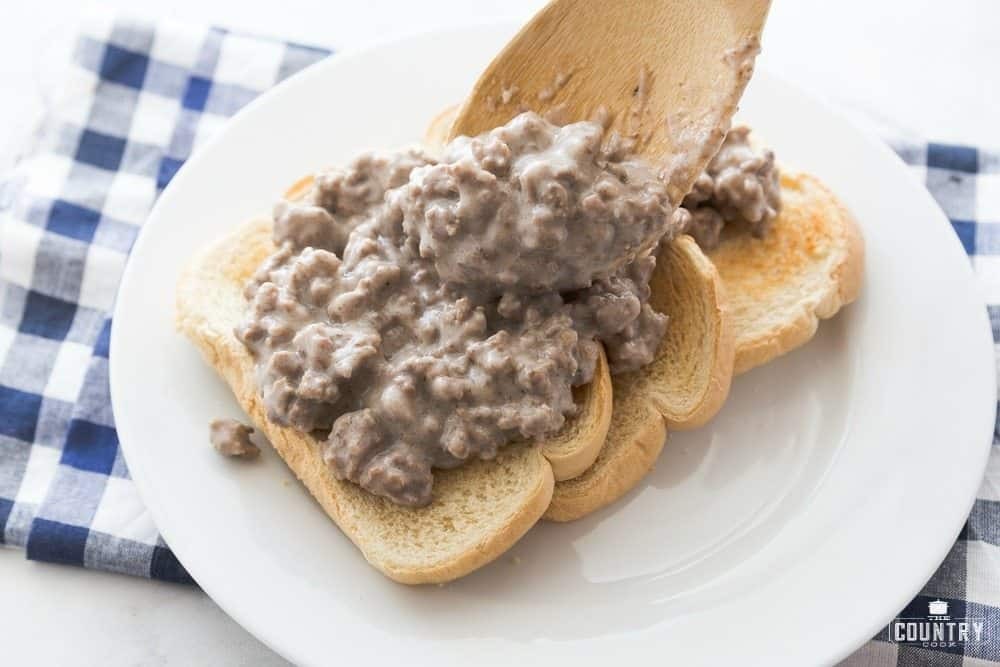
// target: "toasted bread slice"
[[685, 385], [635, 440], [479, 509], [689, 380], [575, 448], [808, 266]]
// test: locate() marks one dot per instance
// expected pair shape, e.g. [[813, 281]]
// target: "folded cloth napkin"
[[137, 101]]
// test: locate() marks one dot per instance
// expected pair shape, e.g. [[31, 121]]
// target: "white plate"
[[802, 519]]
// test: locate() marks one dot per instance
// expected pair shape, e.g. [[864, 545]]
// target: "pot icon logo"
[[937, 608]]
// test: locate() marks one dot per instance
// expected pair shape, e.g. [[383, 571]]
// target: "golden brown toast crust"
[[808, 266], [685, 385], [575, 448]]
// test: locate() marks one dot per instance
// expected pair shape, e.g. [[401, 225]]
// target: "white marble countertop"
[[929, 66]]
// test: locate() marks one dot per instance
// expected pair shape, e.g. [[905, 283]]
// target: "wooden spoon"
[[663, 75]]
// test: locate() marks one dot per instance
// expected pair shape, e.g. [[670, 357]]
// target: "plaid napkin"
[[136, 102]]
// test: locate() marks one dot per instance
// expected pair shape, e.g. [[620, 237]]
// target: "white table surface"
[[929, 66]]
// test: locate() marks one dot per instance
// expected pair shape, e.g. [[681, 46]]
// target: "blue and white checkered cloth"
[[137, 101]]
